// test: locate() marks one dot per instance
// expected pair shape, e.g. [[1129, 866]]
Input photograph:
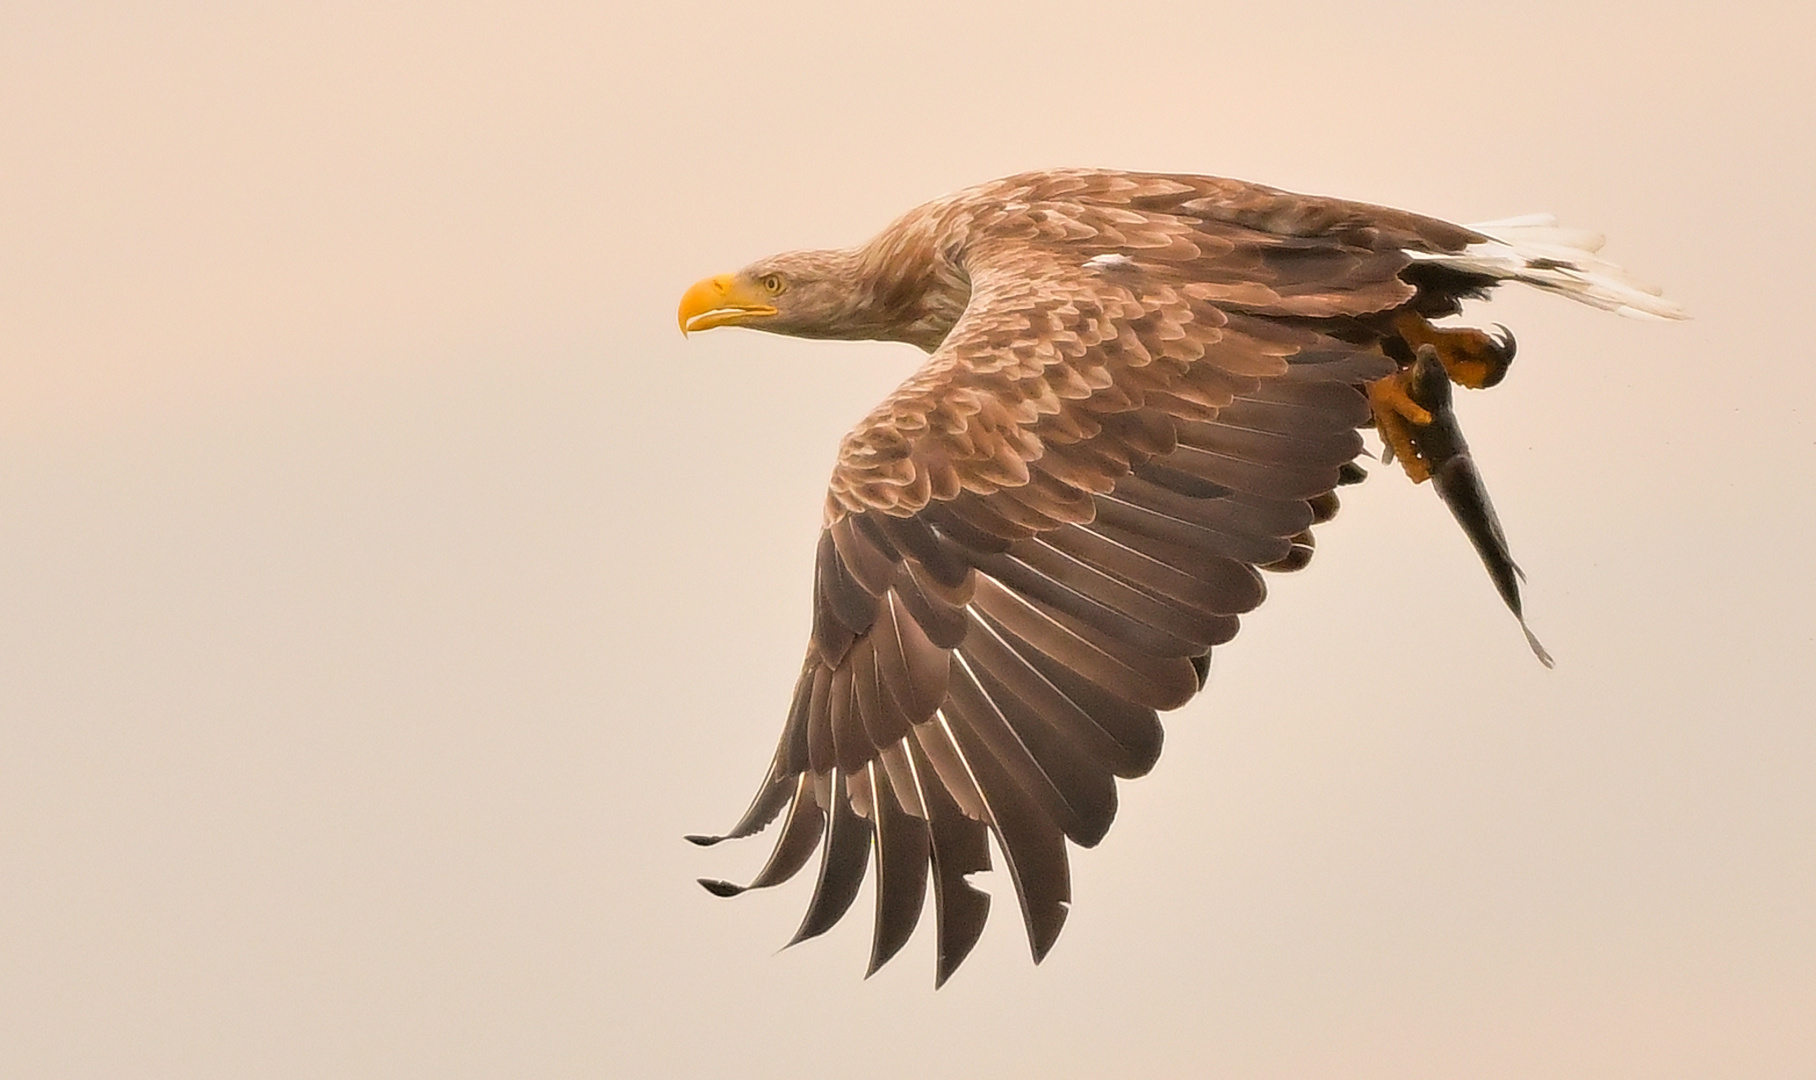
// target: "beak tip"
[[718, 301], [703, 296]]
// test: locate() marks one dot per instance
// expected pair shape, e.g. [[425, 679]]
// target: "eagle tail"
[[1535, 250]]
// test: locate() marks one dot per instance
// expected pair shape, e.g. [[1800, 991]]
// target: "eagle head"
[[801, 293]]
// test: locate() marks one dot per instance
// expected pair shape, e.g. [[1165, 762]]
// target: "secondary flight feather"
[[1142, 390]]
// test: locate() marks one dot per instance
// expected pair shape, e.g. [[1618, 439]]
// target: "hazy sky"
[[385, 586]]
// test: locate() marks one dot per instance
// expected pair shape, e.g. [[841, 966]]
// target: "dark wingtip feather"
[[720, 888], [903, 848], [1055, 921], [962, 913], [842, 864], [703, 840]]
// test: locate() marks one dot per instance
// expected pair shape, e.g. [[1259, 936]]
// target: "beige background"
[[385, 586]]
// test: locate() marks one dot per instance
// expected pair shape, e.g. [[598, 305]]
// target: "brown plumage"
[[1142, 390]]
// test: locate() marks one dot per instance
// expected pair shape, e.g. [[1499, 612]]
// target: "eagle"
[[1141, 390]]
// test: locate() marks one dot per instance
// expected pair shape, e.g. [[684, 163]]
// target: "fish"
[[1459, 484]]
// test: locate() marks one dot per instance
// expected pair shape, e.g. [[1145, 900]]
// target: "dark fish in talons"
[[1442, 447]]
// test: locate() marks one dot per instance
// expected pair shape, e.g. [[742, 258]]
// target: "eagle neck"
[[908, 289]]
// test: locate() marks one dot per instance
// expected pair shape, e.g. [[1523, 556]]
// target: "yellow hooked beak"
[[723, 300]]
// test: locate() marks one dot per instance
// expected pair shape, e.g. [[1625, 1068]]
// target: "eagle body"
[[1142, 390]]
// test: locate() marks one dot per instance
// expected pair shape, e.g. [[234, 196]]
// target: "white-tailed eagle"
[[1141, 391]]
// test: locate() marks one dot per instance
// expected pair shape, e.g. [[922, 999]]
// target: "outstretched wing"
[[1033, 545]]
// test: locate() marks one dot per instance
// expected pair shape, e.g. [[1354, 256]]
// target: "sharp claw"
[[1505, 343]]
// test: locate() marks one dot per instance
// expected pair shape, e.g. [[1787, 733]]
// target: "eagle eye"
[[772, 283]]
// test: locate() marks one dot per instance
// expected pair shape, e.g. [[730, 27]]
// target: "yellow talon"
[[1472, 358], [1396, 414]]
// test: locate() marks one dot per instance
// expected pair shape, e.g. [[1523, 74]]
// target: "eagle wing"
[[1033, 545]]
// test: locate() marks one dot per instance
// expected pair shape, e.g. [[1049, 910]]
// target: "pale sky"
[[386, 586]]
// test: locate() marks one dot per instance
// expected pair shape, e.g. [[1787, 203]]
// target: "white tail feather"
[[1533, 249]]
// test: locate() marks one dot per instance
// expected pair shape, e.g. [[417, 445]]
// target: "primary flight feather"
[[1142, 390]]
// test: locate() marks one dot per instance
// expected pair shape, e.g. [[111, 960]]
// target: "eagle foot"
[[1473, 358], [1396, 415]]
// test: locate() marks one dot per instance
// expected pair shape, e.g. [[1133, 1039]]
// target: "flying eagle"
[[1141, 390]]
